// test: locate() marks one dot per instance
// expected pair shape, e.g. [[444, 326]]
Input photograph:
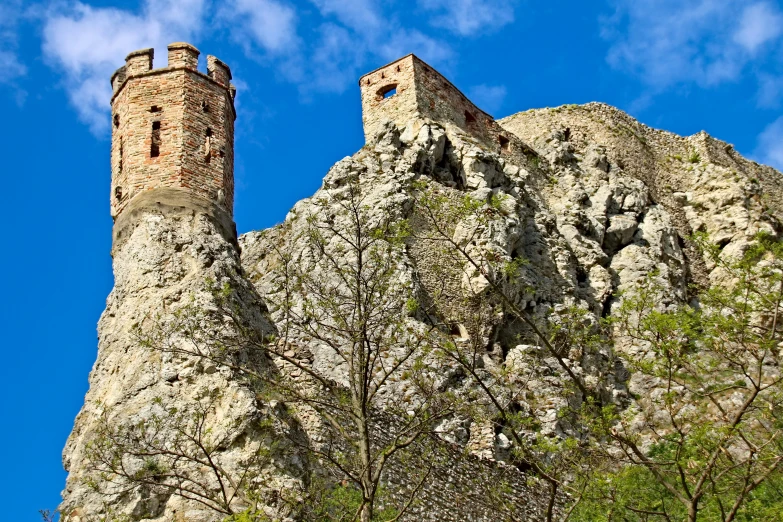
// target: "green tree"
[[484, 287], [705, 443], [338, 290]]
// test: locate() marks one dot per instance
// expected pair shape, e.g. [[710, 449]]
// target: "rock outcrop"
[[583, 201], [162, 267]]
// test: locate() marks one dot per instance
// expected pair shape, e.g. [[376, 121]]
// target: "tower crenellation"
[[173, 132]]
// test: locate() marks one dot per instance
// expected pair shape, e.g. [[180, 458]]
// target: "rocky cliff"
[[592, 200]]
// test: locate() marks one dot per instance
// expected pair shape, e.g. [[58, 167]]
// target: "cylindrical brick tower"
[[172, 135]]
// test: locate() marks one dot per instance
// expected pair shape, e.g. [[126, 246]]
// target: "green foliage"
[[694, 156], [342, 501], [513, 268], [706, 442]]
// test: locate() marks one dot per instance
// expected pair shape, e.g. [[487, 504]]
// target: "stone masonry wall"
[[187, 115], [377, 109], [423, 92], [440, 100]]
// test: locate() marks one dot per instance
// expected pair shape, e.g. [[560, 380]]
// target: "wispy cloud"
[[354, 36], [470, 17], [10, 63], [335, 59], [704, 42], [769, 145], [360, 15], [770, 91], [89, 43], [760, 23], [267, 24], [405, 41], [488, 97]]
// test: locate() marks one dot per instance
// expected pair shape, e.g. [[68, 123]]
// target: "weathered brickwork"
[[172, 127], [408, 88]]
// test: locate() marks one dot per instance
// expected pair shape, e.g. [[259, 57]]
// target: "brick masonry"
[[172, 127]]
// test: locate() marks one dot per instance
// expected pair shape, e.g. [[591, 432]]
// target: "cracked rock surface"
[[595, 202]]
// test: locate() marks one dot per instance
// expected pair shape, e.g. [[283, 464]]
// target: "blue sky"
[[683, 65]]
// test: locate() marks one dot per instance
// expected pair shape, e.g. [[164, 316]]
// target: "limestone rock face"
[[592, 200], [701, 183], [163, 265], [641, 194], [596, 204]]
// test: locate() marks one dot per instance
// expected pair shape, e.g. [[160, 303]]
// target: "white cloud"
[[769, 145], [670, 42], [336, 60], [403, 41], [10, 64], [470, 17], [366, 39], [770, 91], [488, 97], [359, 15], [268, 24], [760, 23], [88, 44]]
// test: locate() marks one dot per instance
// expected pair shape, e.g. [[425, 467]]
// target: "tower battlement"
[[173, 128], [408, 87]]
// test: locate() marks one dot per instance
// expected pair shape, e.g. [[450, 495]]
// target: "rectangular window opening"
[[505, 144], [155, 141], [387, 91]]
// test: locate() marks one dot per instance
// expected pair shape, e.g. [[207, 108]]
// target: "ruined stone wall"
[[441, 101], [422, 92], [377, 106], [172, 127]]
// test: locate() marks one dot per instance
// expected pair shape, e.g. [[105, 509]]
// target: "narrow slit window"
[[154, 108], [119, 163], [205, 106], [505, 144], [387, 91], [155, 141], [469, 118], [116, 120], [208, 145]]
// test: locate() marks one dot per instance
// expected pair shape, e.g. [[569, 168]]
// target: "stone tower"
[[172, 134], [409, 89], [174, 240]]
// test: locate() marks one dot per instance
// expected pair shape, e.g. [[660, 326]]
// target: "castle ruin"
[[172, 193], [408, 88]]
